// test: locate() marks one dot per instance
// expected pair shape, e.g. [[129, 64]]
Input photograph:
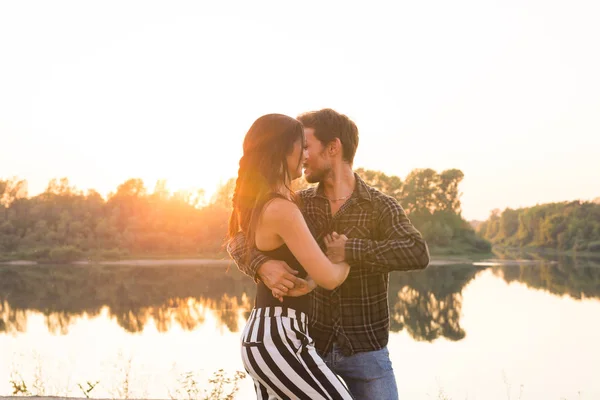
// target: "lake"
[[497, 329]]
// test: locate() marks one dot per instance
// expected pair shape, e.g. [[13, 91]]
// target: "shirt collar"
[[361, 190]]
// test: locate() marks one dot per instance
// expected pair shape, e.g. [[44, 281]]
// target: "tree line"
[[564, 226], [432, 202], [64, 224]]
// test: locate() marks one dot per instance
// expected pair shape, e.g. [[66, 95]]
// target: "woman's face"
[[296, 159]]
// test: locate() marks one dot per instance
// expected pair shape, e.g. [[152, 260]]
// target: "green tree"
[[390, 185], [562, 226]]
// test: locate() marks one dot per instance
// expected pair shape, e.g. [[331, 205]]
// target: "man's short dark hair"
[[328, 125]]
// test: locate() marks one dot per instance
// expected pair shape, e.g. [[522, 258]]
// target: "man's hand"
[[279, 277], [301, 289], [336, 247]]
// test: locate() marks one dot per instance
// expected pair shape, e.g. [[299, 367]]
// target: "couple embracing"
[[321, 259]]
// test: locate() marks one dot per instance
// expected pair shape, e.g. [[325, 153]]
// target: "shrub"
[[594, 246], [112, 254], [64, 254]]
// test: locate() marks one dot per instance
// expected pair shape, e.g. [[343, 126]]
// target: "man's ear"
[[334, 147]]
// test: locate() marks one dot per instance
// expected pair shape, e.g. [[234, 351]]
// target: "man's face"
[[317, 164], [296, 160]]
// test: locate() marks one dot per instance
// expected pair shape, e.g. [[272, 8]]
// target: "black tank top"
[[264, 297]]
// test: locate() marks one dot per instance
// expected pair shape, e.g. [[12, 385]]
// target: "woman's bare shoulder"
[[279, 209]]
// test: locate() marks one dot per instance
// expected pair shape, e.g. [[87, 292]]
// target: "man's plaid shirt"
[[380, 239]]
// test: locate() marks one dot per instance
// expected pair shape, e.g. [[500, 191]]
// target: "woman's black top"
[[264, 297]]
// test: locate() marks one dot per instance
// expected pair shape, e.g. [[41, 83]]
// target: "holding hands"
[[336, 247], [281, 279], [304, 286]]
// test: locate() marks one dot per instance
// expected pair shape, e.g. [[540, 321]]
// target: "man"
[[350, 324]]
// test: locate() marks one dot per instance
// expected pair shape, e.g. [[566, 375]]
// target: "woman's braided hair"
[[262, 170]]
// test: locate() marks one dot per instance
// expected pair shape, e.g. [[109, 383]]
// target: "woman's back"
[[264, 296]]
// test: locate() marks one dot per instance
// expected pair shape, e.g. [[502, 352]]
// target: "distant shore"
[[190, 262], [439, 256], [220, 259]]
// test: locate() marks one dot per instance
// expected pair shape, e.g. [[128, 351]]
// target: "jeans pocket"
[[370, 365]]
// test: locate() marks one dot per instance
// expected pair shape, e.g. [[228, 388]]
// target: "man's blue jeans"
[[369, 375]]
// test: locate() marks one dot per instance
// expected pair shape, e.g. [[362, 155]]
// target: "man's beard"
[[316, 176]]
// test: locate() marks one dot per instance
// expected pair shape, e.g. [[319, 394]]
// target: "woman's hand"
[[336, 247], [298, 291], [306, 286]]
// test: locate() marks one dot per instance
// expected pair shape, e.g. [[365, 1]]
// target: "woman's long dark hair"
[[263, 169]]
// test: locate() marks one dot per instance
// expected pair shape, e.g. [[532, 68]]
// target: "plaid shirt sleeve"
[[238, 251], [400, 247]]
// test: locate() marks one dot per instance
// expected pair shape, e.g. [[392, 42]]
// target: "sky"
[[507, 91]]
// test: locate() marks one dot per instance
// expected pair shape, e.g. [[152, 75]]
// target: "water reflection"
[[428, 303], [557, 278], [133, 295]]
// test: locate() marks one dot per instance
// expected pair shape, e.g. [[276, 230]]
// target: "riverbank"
[[439, 256], [191, 262], [542, 252]]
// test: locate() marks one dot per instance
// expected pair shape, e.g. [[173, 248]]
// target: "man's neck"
[[339, 184]]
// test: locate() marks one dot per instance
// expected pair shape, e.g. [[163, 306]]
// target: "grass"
[[221, 386], [100, 256]]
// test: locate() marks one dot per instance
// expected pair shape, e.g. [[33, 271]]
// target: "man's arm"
[[275, 274], [238, 250], [399, 246]]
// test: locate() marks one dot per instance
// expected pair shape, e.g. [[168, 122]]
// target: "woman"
[[277, 350]]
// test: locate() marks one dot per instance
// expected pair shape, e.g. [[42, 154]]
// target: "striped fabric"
[[281, 358]]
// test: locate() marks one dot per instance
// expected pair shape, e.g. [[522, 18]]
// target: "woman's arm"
[[285, 219]]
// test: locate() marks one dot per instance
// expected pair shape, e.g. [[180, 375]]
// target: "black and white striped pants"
[[281, 358]]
